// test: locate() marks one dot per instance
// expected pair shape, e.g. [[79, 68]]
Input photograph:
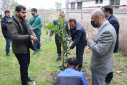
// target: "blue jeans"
[[98, 79], [37, 43], [8, 41]]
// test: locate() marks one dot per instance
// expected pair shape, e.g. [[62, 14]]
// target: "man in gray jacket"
[[102, 48], [21, 36]]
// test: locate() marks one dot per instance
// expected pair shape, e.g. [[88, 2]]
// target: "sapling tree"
[[60, 30]]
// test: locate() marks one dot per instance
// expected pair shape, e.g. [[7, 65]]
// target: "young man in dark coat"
[[5, 31], [21, 36]]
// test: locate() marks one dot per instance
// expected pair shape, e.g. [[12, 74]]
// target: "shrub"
[[123, 41]]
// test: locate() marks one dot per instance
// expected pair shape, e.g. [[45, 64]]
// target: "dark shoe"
[[107, 83], [31, 79], [58, 58], [34, 52], [8, 55], [25, 84], [78, 69], [39, 50]]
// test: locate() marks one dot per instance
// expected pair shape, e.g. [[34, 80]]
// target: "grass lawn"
[[43, 64]]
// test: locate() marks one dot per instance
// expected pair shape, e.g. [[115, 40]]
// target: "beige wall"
[[121, 15]]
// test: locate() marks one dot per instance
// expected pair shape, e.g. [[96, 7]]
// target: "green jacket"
[[19, 39], [37, 24]]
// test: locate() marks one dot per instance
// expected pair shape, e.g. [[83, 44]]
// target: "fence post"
[[81, 14]]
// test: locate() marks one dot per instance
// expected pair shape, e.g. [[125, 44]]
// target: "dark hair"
[[19, 7], [108, 8], [72, 62], [72, 20], [6, 11], [34, 9]]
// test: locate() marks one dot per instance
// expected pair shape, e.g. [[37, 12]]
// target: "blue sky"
[[40, 4]]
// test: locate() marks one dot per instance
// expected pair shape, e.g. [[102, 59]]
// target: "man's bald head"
[[97, 18], [98, 12]]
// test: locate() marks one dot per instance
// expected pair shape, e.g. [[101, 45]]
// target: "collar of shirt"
[[70, 69], [36, 15], [103, 25], [108, 17], [7, 19]]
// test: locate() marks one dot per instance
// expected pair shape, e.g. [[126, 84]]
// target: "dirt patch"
[[87, 74], [88, 77]]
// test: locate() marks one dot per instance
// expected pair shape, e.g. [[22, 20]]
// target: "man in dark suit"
[[78, 35], [108, 11], [5, 32], [58, 44]]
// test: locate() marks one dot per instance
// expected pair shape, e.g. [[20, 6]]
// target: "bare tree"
[[8, 5], [5, 4], [58, 7], [13, 5]]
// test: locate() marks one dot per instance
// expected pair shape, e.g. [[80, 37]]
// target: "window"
[[114, 2], [79, 5], [96, 2], [99, 1], [72, 5]]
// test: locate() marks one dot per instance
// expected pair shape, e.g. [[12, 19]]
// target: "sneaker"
[[8, 55], [34, 52], [58, 58], [31, 79], [39, 50]]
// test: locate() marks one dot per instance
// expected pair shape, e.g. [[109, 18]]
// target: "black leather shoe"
[[25, 84], [31, 79], [78, 69]]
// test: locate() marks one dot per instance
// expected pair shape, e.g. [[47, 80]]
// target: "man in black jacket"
[[58, 44], [78, 35], [5, 31], [21, 36], [115, 23]]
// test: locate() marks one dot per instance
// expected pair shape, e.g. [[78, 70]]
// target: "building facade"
[[77, 4], [82, 9]]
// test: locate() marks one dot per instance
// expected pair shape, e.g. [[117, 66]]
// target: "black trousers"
[[24, 60], [109, 77], [79, 55], [58, 45]]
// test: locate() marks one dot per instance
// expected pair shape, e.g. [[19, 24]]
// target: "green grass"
[[43, 64], [0, 21]]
